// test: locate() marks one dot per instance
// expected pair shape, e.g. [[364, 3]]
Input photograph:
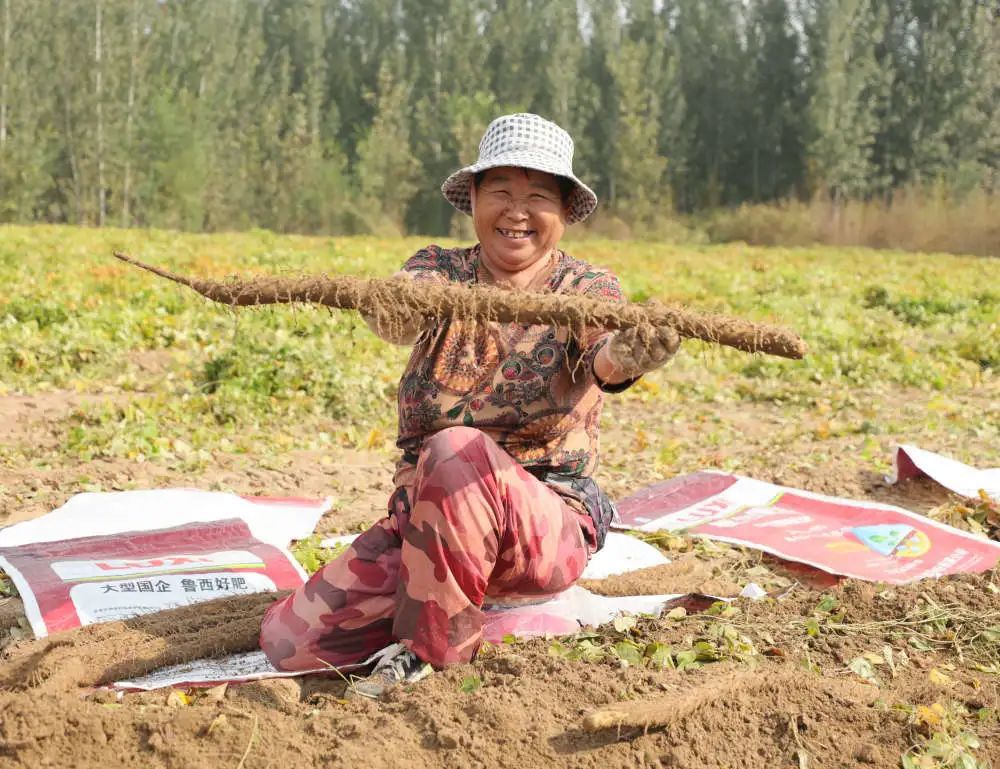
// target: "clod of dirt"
[[447, 739], [509, 664], [868, 753]]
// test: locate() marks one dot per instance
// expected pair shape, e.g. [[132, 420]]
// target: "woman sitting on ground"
[[498, 425]]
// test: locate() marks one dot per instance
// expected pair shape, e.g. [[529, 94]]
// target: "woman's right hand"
[[399, 325]]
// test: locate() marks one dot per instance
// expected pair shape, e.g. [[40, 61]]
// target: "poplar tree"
[[712, 76], [443, 52], [936, 121], [850, 93], [386, 169], [514, 39], [776, 151], [31, 143], [600, 114], [638, 168]]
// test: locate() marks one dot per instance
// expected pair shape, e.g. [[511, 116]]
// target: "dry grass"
[[930, 221]]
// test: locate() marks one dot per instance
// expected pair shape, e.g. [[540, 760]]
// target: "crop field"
[[112, 379]]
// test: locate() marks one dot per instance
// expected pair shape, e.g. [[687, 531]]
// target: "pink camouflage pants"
[[478, 526]]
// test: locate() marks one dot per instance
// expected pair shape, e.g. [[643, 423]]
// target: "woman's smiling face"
[[519, 216]]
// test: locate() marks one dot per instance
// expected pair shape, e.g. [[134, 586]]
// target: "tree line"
[[343, 116]]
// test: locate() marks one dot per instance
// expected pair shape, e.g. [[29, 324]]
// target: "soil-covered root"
[[106, 652], [663, 712], [383, 300]]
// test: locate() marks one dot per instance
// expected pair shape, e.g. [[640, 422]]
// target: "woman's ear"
[[472, 193]]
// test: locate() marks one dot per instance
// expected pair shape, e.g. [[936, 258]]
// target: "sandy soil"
[[794, 703], [529, 708]]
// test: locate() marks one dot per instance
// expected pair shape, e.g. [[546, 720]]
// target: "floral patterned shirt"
[[529, 387]]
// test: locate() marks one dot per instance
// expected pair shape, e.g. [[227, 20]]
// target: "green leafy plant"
[[621, 642], [945, 740], [823, 616], [312, 556], [7, 588]]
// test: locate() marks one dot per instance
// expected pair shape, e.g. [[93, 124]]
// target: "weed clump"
[[913, 311]]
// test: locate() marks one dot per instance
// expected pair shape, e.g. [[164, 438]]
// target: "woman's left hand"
[[633, 352]]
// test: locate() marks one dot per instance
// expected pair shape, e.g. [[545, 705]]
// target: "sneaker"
[[397, 665]]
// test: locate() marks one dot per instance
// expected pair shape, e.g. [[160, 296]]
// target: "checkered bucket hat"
[[525, 141]]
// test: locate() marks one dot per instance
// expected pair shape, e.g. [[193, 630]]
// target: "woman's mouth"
[[515, 234]]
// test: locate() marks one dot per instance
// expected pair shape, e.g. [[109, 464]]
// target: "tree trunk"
[[102, 203], [756, 171], [130, 106], [3, 72], [74, 167]]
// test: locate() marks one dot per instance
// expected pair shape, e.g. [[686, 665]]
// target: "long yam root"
[[380, 299], [664, 712]]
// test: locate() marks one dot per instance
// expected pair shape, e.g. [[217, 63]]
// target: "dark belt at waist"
[[599, 507]]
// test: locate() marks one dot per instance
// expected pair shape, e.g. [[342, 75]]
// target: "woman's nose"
[[517, 209]]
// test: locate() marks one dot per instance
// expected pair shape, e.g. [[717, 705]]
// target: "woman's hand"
[[402, 325], [633, 352]]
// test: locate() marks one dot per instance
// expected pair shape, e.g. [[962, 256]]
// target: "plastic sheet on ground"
[[913, 462], [249, 666], [854, 538], [566, 613], [276, 520], [111, 556]]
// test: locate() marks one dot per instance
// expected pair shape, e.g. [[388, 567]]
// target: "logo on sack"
[[120, 568], [893, 540]]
